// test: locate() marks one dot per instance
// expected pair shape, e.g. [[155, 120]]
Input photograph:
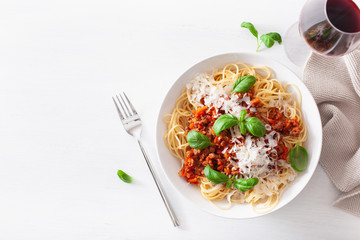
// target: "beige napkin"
[[335, 85]]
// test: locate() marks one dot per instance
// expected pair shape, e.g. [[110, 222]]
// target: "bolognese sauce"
[[219, 156]]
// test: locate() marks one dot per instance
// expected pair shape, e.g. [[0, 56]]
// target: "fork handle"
[[158, 185]]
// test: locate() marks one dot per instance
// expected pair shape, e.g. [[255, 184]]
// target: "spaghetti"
[[207, 97]]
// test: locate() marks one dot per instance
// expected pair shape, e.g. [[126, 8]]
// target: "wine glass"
[[329, 27]]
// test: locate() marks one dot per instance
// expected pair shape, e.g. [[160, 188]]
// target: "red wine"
[[344, 15]]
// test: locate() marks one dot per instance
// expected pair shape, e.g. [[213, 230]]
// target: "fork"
[[132, 124]]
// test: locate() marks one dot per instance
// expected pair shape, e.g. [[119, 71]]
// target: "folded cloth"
[[335, 84]]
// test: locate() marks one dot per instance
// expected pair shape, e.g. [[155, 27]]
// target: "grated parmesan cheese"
[[204, 86], [252, 156]]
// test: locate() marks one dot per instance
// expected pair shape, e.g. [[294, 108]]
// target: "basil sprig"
[[217, 177], [224, 122], [124, 177], [245, 184], [298, 158], [243, 84], [252, 124], [268, 39], [198, 140]]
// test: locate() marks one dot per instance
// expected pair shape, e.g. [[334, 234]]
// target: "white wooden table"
[[61, 141]]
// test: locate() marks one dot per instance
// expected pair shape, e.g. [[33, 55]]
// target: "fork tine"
[[126, 105], [131, 106], [118, 109], [122, 107]]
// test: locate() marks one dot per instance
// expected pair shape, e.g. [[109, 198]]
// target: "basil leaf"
[[245, 184], [267, 40], [255, 126], [237, 83], [124, 177], [242, 128], [251, 28], [275, 36], [224, 122], [298, 158], [243, 84], [214, 176], [242, 115], [198, 140]]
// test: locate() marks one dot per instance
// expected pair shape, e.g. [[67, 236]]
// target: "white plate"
[[311, 116]]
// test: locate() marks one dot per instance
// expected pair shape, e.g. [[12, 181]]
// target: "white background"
[[61, 141]]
